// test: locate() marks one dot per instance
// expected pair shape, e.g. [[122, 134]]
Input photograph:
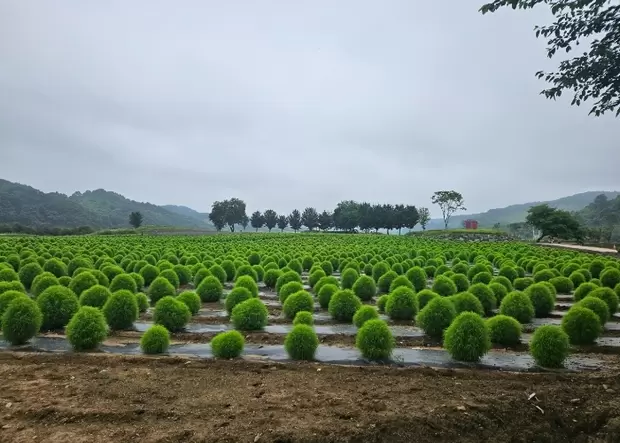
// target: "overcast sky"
[[290, 104]]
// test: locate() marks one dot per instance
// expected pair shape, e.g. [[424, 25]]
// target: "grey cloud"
[[290, 104]]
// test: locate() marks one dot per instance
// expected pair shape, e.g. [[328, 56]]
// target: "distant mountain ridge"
[[98, 209], [517, 213]]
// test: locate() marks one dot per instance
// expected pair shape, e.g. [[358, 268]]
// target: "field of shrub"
[[293, 290]]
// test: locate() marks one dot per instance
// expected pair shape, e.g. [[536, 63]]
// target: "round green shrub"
[[509, 272], [315, 276], [402, 304], [121, 310], [365, 288], [521, 284], [191, 300], [307, 262], [301, 343], [364, 314], [160, 288], [169, 275], [482, 277], [173, 314], [143, 302], [271, 277], [468, 337], [287, 277], [400, 281], [78, 262], [250, 315], [303, 318], [467, 302], [504, 330], [227, 344], [138, 280], [436, 316], [327, 267], [57, 304], [219, 272], [112, 271], [444, 286], [149, 273], [87, 329], [505, 282], [42, 282], [499, 291], [183, 274], [246, 270], [486, 296], [562, 285], [610, 277], [386, 280], [100, 276], [229, 268], [325, 295], [343, 305], [201, 274], [210, 289], [417, 277], [95, 296], [6, 298], [583, 290], [237, 295], [381, 302], [288, 289], [348, 278], [461, 281], [424, 296], [596, 281], [379, 269], [550, 346], [596, 267], [374, 340], [65, 281], [8, 274], [245, 281], [542, 299], [543, 275], [122, 282], [329, 280], [598, 306], [518, 306], [576, 279], [155, 340], [297, 302], [56, 267], [28, 273], [21, 320], [582, 325], [609, 296]]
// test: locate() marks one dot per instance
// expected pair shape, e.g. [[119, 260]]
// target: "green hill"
[[200, 217], [517, 213], [99, 209]]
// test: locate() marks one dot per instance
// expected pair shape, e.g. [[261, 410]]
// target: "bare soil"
[[103, 398]]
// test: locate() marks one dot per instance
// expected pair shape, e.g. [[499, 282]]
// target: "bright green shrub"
[[271, 277], [87, 329], [508, 272], [343, 305], [155, 340], [121, 310], [598, 306], [386, 280], [227, 344], [138, 280], [315, 276], [288, 289], [542, 299], [297, 302], [149, 273], [287, 277], [467, 302], [381, 302], [436, 316], [482, 277], [21, 320], [610, 277], [245, 281], [461, 281], [121, 282], [327, 267], [505, 282], [183, 274], [374, 340], [8, 274], [201, 274], [444, 286], [379, 269], [348, 278], [329, 280], [303, 318], [583, 290], [28, 273], [519, 306], [95, 296], [424, 296], [325, 295], [581, 325], [210, 289], [543, 275], [250, 315], [301, 343], [246, 270], [57, 304], [65, 281], [521, 284], [365, 288], [160, 288], [218, 272], [486, 296], [169, 275], [191, 300], [468, 337], [550, 346], [417, 277], [608, 296], [562, 285], [363, 314], [499, 291], [43, 281], [504, 330], [576, 279], [171, 313], [6, 298], [402, 304], [56, 267]]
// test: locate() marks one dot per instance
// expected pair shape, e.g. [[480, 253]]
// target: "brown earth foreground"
[[103, 398]]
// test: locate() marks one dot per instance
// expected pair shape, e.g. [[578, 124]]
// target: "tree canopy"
[[552, 222], [135, 219], [449, 202], [594, 74], [228, 212]]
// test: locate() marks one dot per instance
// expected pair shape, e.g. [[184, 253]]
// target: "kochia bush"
[[87, 329], [549, 346], [210, 289], [57, 304], [121, 310], [343, 305], [301, 343], [582, 325], [297, 302], [160, 288], [374, 340], [504, 330], [250, 315], [519, 306], [21, 320], [436, 316], [402, 304], [227, 344], [155, 340], [365, 288], [171, 313], [468, 337]]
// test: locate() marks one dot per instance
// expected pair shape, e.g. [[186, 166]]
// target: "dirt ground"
[[103, 398]]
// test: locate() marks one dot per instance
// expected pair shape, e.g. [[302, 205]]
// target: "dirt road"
[[103, 398]]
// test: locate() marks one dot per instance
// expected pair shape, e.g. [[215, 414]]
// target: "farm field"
[[403, 338]]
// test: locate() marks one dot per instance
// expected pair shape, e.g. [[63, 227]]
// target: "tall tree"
[[365, 215], [326, 221], [592, 75], [282, 222], [257, 220], [271, 219], [310, 218], [425, 217], [135, 219], [377, 217], [346, 215], [449, 202], [411, 217], [218, 215], [295, 220], [245, 221], [235, 210], [400, 217], [389, 217], [554, 223]]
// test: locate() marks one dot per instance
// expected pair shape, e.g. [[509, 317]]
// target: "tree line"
[[348, 216]]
